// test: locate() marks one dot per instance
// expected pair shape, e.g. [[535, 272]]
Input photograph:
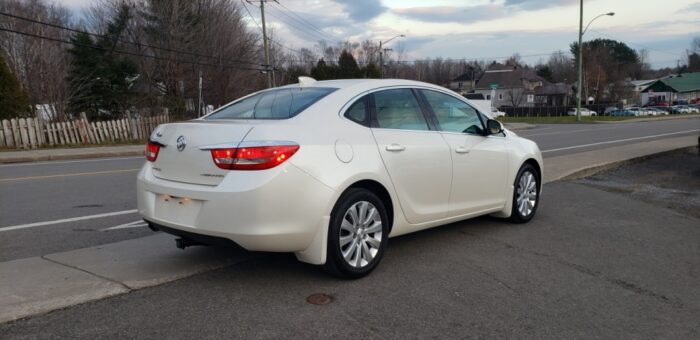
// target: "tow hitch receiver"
[[183, 243]]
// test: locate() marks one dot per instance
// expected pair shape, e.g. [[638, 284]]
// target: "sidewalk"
[[70, 153], [41, 284]]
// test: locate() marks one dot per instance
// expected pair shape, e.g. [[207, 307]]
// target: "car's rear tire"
[[526, 194], [357, 234]]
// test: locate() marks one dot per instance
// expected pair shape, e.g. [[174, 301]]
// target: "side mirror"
[[494, 127]]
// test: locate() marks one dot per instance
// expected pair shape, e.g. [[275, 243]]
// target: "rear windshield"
[[273, 104]]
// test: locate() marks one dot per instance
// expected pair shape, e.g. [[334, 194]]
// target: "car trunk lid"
[[184, 156]]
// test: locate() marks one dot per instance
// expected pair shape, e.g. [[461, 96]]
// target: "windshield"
[[273, 104]]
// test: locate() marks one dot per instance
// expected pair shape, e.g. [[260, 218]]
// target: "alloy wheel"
[[527, 193], [360, 234]]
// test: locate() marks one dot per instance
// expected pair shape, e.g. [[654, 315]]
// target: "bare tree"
[[40, 64], [515, 96]]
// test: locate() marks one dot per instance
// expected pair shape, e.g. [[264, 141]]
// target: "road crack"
[[628, 286], [88, 272]]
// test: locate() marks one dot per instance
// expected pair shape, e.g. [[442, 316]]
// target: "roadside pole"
[[381, 61], [268, 67], [580, 65]]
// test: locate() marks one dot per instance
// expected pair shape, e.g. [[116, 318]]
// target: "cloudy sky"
[[476, 29]]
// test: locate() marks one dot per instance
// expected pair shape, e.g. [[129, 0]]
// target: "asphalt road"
[[562, 139], [50, 191], [592, 264]]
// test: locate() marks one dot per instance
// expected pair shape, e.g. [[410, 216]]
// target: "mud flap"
[[317, 250]]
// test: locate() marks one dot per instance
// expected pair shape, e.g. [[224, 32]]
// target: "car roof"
[[363, 83]]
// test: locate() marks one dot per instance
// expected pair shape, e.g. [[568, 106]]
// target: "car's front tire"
[[357, 234], [526, 194]]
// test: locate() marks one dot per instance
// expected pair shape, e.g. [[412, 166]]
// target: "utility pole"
[[580, 65], [268, 66], [381, 53], [381, 61], [199, 96]]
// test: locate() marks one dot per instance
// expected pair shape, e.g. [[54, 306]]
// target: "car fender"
[[525, 150]]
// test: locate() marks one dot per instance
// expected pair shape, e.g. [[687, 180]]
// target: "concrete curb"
[[593, 170], [74, 277], [584, 164], [519, 126]]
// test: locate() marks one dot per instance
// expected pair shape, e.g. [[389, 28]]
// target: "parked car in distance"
[[681, 109], [329, 170], [657, 112], [495, 113], [665, 109], [609, 110], [688, 109], [624, 113], [584, 112], [638, 111]]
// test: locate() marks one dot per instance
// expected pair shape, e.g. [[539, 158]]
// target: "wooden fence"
[[30, 133]]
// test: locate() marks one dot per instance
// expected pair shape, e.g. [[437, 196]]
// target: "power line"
[[297, 28], [299, 16], [256, 24], [120, 40], [302, 21], [126, 52]]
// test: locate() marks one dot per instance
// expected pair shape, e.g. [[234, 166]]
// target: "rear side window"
[[273, 104], [398, 109], [358, 112]]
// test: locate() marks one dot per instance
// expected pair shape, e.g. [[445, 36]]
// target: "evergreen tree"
[[545, 72], [619, 51], [324, 72], [291, 76], [347, 66], [99, 80], [14, 101], [83, 75], [694, 62], [371, 71]]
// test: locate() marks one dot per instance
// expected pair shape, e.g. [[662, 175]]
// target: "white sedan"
[[329, 170], [584, 112]]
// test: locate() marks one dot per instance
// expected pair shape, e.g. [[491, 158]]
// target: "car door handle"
[[395, 147], [461, 149]]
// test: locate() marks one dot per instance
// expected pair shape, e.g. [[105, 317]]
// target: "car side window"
[[398, 109], [358, 112], [453, 115]]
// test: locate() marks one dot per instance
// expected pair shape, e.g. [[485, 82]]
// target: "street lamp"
[[581, 32], [381, 54]]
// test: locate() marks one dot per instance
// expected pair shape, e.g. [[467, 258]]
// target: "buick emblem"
[[181, 143]]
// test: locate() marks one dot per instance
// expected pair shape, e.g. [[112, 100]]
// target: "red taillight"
[[253, 158], [152, 151], [223, 158]]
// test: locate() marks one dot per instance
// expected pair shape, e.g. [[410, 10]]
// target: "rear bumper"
[[275, 210]]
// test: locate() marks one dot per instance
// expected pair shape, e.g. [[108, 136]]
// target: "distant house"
[[680, 87], [509, 86], [632, 92], [463, 83], [558, 94]]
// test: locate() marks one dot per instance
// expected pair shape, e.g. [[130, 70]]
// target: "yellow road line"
[[67, 175]]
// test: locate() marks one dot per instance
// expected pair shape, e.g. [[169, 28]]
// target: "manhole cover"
[[319, 299]]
